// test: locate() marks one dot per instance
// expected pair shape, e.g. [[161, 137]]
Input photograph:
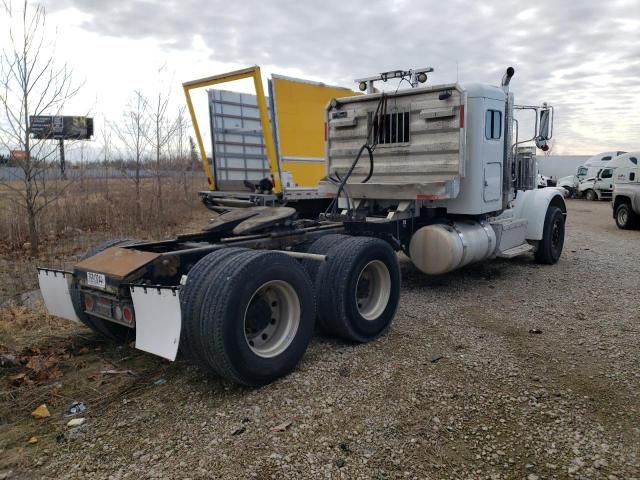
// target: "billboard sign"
[[48, 127]]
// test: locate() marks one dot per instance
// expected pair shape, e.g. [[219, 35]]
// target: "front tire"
[[257, 317], [358, 289], [626, 218], [591, 195], [550, 247]]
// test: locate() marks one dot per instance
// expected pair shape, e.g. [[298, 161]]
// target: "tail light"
[[89, 302], [127, 314]]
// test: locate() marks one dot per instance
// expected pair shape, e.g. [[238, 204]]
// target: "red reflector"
[[461, 116], [545, 148], [209, 181], [425, 196], [89, 303], [127, 314]]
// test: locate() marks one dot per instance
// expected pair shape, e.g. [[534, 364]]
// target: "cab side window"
[[606, 173], [493, 125]]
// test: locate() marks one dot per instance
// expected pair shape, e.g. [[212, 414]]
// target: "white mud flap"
[[54, 285], [158, 320]]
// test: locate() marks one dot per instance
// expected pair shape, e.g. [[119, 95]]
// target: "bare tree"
[[30, 84], [161, 133], [133, 133], [178, 150], [106, 150]]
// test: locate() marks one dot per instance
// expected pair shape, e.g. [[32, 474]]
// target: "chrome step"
[[515, 251]]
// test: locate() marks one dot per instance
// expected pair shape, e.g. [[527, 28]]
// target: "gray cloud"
[[582, 57]]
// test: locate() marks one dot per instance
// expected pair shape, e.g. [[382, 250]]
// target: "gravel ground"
[[503, 370]]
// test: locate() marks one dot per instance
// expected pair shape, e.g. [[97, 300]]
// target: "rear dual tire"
[[358, 288], [248, 317]]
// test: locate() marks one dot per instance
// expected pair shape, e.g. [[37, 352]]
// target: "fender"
[[532, 205]]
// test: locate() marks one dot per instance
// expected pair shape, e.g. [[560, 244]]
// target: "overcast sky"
[[582, 57]]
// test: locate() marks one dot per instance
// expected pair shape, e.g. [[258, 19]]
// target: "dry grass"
[[101, 204], [90, 211], [21, 327], [59, 361]]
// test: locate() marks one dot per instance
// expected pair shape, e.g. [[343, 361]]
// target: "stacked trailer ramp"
[[266, 150]]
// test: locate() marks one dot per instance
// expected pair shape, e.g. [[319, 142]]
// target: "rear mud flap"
[[54, 285], [158, 320]]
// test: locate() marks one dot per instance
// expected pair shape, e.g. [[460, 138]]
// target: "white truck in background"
[[587, 172], [626, 191]]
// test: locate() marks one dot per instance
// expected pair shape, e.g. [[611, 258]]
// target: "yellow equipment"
[[293, 141]]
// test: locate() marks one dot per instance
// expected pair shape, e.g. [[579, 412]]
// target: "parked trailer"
[[431, 171]]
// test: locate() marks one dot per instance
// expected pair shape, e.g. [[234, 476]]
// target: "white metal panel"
[[492, 181], [158, 320], [54, 285], [428, 159], [237, 141]]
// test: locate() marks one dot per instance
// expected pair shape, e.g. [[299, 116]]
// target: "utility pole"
[[63, 174]]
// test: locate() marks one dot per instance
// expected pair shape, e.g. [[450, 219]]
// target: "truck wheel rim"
[[555, 234], [622, 216], [271, 318], [373, 290]]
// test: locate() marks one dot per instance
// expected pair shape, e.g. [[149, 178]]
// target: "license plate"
[[96, 280]]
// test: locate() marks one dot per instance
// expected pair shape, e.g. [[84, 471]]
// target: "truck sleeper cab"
[[440, 173], [587, 172]]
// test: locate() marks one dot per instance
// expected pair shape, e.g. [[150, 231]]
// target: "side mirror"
[[545, 124]]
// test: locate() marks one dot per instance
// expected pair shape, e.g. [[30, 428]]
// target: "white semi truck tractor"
[[433, 171]]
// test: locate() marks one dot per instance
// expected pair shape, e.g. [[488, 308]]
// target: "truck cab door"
[[605, 179], [493, 150]]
